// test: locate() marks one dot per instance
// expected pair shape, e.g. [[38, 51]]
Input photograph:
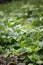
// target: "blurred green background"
[[21, 30]]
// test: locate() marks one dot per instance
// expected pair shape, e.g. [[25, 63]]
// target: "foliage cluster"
[[21, 31]]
